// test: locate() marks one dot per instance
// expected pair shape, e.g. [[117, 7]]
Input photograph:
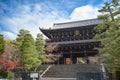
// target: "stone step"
[[70, 71], [58, 79]]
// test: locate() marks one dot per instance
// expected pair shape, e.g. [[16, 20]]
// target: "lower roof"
[[71, 42]]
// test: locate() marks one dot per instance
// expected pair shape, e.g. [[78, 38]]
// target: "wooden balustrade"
[[70, 38]]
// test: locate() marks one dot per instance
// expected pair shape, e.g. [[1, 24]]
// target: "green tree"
[[20, 38], [21, 34], [40, 47], [29, 56], [109, 33], [1, 44]]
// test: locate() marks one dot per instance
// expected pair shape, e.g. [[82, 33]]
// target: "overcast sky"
[[32, 14]]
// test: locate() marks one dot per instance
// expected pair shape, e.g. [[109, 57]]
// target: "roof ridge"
[[74, 21]]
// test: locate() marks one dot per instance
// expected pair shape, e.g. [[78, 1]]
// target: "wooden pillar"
[[64, 59], [74, 60], [71, 57], [99, 58], [58, 60]]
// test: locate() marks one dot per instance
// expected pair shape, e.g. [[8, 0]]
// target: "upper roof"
[[77, 23]]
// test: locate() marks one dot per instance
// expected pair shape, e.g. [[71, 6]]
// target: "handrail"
[[45, 71]]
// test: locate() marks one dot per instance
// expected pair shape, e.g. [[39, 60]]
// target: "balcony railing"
[[69, 38]]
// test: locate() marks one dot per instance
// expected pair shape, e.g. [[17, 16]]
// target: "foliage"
[[9, 60], [40, 46], [41, 71], [109, 33], [1, 44], [118, 75], [29, 56], [6, 63], [4, 74], [43, 59], [20, 38]]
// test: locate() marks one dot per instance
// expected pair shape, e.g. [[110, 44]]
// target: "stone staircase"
[[42, 67], [70, 71]]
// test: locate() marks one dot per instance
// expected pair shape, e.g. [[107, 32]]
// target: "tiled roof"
[[77, 23]]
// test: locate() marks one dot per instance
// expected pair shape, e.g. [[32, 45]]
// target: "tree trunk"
[[114, 75]]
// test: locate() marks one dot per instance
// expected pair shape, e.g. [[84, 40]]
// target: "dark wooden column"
[[71, 57], [74, 60]]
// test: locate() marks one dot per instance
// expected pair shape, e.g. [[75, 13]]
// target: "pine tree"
[[40, 47], [1, 44], [21, 34], [20, 38], [109, 33], [29, 56]]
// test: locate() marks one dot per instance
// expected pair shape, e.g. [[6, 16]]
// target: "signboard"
[[76, 32], [30, 75], [34, 75]]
